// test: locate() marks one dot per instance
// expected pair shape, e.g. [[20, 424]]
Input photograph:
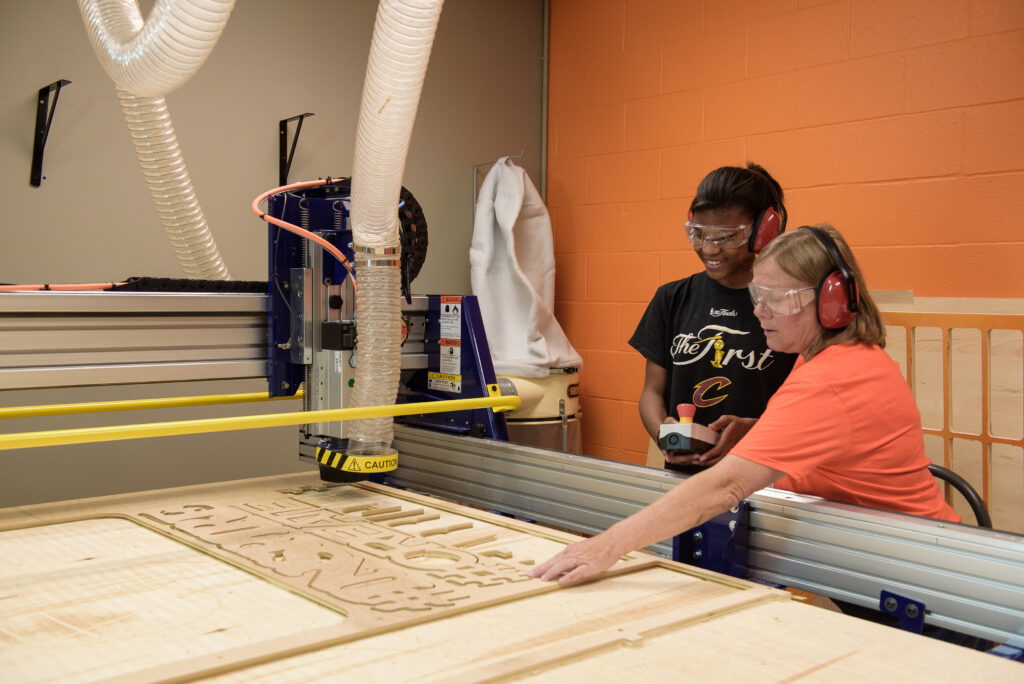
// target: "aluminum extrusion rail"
[[970, 579], [64, 339], [74, 339]]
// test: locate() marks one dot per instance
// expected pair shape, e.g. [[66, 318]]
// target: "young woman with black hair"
[[700, 338]]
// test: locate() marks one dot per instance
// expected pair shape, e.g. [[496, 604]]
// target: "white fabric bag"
[[512, 270]]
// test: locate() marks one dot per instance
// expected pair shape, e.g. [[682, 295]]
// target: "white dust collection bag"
[[512, 269]]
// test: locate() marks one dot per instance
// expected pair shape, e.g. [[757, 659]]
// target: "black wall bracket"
[[44, 117], [285, 156]]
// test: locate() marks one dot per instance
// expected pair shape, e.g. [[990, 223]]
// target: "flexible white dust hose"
[[402, 38], [156, 147], [184, 32], [147, 60]]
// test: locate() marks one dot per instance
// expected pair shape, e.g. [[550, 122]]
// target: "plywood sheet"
[[640, 627], [109, 587], [288, 579]]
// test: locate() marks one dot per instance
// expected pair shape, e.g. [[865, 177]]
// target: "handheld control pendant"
[[686, 436]]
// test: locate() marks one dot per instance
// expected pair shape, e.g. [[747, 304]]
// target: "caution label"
[[447, 382], [370, 464], [451, 316], [329, 458], [356, 464], [451, 356]]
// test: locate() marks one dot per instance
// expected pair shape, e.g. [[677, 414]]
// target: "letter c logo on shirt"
[[705, 386]]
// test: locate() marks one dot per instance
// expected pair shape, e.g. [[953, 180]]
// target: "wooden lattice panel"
[[288, 579], [967, 374]]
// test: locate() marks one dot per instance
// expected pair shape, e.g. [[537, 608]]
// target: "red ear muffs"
[[838, 296], [833, 303], [767, 226]]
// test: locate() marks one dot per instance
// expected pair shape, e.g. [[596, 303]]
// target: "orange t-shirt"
[[844, 426]]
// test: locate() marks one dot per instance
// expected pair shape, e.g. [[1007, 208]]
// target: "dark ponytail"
[[752, 189]]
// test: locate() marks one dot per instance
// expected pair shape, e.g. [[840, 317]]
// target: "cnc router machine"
[[420, 571]]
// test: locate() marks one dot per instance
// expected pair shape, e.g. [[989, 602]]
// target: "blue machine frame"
[[475, 377], [455, 344], [285, 252], [720, 544]]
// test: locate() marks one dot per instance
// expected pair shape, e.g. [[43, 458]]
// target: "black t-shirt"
[[714, 349]]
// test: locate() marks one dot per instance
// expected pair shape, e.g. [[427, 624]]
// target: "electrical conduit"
[[402, 39], [146, 60]]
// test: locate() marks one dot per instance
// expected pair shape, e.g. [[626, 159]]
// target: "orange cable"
[[61, 287], [335, 252]]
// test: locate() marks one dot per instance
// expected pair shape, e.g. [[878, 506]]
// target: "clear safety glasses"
[[723, 237], [780, 302]]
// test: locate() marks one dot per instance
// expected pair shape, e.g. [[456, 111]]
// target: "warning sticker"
[[370, 464], [451, 356], [444, 381], [451, 316]]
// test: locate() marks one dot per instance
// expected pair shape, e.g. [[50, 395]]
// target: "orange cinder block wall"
[[899, 121]]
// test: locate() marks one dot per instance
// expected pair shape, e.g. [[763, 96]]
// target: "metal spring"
[[338, 219], [304, 224], [307, 394]]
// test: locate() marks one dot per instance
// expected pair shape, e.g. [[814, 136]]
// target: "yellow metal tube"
[[23, 440], [136, 404]]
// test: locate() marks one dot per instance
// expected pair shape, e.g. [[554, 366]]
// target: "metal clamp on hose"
[[377, 256]]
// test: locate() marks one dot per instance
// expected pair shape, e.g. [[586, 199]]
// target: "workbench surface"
[[291, 579]]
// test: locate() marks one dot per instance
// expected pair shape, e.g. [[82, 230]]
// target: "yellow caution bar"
[[23, 440], [137, 404]]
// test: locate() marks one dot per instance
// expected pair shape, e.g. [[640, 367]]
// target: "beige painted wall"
[[92, 219]]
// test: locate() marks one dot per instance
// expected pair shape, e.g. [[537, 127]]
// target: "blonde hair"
[[802, 255]]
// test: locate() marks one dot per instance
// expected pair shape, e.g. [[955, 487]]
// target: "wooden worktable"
[[288, 579]]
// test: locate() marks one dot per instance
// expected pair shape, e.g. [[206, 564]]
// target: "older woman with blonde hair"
[[843, 426]]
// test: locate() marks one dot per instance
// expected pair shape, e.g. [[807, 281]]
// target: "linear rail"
[[76, 339], [69, 339], [970, 579]]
